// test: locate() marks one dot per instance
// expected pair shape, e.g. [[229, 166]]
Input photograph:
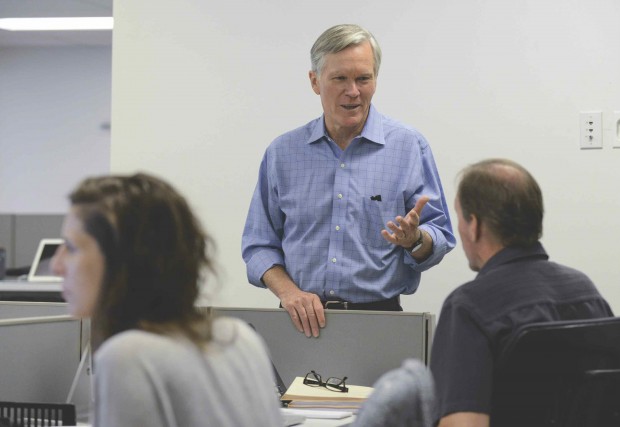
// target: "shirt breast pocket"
[[374, 218]]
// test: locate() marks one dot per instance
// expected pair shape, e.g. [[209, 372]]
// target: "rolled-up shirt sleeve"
[[262, 235], [435, 218]]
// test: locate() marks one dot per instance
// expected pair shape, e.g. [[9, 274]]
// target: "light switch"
[[615, 129], [590, 129]]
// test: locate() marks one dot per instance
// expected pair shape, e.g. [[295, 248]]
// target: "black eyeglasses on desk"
[[313, 379]]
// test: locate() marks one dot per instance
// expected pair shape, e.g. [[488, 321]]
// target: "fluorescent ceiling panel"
[[57, 24]]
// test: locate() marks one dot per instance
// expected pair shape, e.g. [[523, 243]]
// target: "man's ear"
[[473, 229], [314, 81]]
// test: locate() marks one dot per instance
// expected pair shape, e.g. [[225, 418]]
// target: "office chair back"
[[560, 374], [403, 397], [14, 414]]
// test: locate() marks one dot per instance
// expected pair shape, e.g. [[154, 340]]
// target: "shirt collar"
[[512, 254], [372, 131]]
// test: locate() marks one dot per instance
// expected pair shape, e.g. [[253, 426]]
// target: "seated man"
[[500, 212]]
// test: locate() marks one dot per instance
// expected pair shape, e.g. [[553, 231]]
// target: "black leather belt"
[[392, 304]]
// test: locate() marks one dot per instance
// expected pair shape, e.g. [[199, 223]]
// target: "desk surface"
[[23, 290], [14, 285], [310, 422], [316, 422]]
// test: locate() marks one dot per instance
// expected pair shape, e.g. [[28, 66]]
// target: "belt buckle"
[[342, 305]]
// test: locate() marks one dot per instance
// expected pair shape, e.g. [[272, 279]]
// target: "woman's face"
[[81, 264]]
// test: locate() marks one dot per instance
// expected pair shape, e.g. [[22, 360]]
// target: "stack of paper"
[[303, 396]]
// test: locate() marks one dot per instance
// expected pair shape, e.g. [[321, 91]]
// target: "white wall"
[[201, 88], [53, 102]]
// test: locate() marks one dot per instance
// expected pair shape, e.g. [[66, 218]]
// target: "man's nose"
[[352, 90]]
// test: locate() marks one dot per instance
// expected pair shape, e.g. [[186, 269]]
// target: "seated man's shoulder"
[[466, 293], [568, 273]]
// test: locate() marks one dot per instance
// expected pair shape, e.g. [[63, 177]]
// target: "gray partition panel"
[[29, 230], [6, 237], [18, 309], [361, 345], [38, 358]]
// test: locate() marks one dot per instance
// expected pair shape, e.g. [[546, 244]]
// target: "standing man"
[[500, 213], [316, 232]]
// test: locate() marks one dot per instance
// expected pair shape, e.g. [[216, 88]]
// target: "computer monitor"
[[41, 268]]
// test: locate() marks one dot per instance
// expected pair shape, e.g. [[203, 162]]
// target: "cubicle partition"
[[361, 345], [22, 290], [20, 234], [40, 352], [21, 309], [39, 357]]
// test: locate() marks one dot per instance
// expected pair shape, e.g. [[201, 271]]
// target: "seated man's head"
[[499, 204], [133, 254]]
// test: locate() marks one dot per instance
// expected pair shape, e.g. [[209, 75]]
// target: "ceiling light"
[[56, 24]]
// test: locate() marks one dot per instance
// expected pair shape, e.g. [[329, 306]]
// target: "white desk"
[[316, 422], [13, 285], [23, 290], [310, 422]]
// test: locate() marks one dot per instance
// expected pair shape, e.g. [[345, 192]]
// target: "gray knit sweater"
[[145, 379]]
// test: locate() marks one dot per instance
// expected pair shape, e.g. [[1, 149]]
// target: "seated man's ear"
[[473, 228]]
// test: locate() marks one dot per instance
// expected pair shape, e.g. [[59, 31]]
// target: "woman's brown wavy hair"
[[155, 254]]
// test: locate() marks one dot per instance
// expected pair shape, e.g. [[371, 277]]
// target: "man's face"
[[346, 86], [465, 234]]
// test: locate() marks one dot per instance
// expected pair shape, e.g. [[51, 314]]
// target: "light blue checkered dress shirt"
[[313, 210]]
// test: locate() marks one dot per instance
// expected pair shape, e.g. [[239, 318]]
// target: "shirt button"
[[340, 196], [334, 260], [342, 165], [337, 228], [332, 292]]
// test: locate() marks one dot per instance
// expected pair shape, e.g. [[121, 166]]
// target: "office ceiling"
[[54, 8]]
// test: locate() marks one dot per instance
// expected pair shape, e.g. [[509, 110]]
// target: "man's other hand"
[[305, 309]]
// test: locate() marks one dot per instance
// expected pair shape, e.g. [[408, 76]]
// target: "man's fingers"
[[319, 311], [316, 315], [292, 312], [305, 323], [404, 230], [312, 320], [299, 317], [419, 205], [393, 227], [389, 237], [306, 313]]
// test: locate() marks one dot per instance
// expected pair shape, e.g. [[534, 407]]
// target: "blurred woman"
[[133, 259]]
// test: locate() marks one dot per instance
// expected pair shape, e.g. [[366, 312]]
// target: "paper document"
[[316, 413], [298, 391], [305, 404]]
